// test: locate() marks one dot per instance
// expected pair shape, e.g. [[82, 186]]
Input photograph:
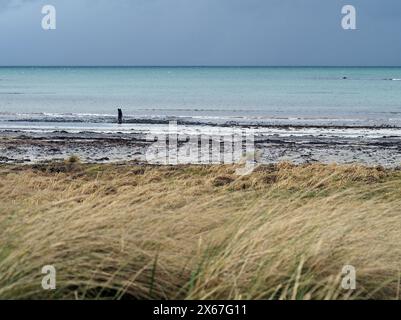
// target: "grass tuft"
[[199, 232]]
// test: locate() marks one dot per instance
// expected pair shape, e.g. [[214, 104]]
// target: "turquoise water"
[[367, 95]]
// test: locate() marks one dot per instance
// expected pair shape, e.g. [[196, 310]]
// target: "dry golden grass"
[[199, 232]]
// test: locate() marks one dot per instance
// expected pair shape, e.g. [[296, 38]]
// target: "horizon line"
[[198, 66]]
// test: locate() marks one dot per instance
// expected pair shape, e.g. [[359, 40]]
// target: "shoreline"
[[224, 122], [24, 146]]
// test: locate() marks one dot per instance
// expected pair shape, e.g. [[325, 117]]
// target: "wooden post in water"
[[120, 116]]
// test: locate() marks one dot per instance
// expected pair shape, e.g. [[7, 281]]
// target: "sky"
[[200, 33]]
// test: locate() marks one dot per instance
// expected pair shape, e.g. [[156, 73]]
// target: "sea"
[[87, 98]]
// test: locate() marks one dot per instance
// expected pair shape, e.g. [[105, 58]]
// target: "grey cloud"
[[200, 32]]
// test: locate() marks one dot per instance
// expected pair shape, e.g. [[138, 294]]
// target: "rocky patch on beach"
[[91, 147]]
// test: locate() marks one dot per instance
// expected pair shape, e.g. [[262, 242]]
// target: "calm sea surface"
[[339, 96]]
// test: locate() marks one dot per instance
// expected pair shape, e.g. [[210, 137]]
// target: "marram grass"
[[199, 232]]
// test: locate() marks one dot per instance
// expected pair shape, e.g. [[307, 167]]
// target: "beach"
[[301, 115], [366, 146], [200, 158], [280, 179]]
